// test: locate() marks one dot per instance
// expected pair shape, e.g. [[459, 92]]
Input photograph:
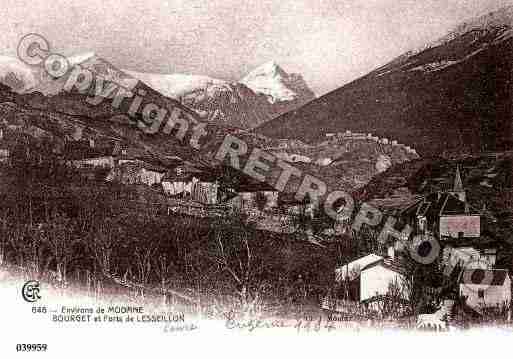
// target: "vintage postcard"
[[280, 177]]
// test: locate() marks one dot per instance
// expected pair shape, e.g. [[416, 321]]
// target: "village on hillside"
[[464, 285]]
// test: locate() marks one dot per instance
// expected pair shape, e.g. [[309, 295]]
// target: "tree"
[[417, 278], [58, 234], [143, 255], [164, 269], [233, 250]]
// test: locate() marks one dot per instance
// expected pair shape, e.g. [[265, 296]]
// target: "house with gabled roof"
[[352, 270], [470, 257], [195, 184], [369, 278], [486, 288], [179, 181], [80, 154], [377, 278], [348, 278]]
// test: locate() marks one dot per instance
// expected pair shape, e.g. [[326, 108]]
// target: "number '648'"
[[41, 310]]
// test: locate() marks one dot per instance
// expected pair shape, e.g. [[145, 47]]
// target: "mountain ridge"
[[266, 92], [453, 97]]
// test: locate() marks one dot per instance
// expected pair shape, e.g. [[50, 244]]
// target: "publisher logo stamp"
[[30, 291]]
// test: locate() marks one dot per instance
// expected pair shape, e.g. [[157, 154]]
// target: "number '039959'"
[[31, 347]]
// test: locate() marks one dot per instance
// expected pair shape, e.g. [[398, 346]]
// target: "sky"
[[330, 42]]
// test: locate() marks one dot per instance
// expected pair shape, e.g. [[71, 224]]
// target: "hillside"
[[453, 95], [66, 116]]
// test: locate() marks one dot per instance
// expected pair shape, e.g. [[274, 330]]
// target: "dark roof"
[[381, 297], [395, 204], [452, 205], [137, 164], [483, 276], [438, 204], [187, 171], [396, 265], [173, 177], [483, 242], [79, 150]]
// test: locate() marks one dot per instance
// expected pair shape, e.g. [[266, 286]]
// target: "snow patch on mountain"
[[106, 70], [16, 74], [49, 86], [80, 58], [176, 85], [500, 21], [502, 18], [442, 64]]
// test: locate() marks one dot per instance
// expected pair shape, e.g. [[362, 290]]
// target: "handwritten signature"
[[308, 324]]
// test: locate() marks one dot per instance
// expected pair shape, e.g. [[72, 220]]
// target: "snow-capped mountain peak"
[[268, 69], [272, 81]]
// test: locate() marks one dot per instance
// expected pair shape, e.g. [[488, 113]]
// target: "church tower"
[[457, 188]]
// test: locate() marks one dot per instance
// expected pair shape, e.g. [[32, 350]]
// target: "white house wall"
[[178, 187], [173, 188], [205, 192], [150, 177], [95, 162], [493, 295], [376, 281]]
